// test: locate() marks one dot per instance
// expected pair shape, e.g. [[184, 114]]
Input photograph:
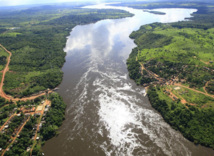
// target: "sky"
[[26, 2]]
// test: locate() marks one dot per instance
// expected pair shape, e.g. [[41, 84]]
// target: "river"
[[107, 113]]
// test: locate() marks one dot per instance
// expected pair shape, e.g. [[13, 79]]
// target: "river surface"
[[107, 114]]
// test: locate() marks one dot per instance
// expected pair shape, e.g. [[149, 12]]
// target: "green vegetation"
[[5, 111], [50, 122], [195, 124], [169, 4], [2, 102], [199, 100], [24, 140], [5, 137], [3, 140], [155, 12], [53, 120], [180, 52], [54, 117], [36, 37], [172, 52], [210, 87], [3, 58]]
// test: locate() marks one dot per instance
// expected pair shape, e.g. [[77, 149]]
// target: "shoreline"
[[55, 98], [175, 97]]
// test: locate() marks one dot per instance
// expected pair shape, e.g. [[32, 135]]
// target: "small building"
[[33, 109], [177, 88], [40, 125], [28, 149], [39, 108], [43, 121], [6, 126]]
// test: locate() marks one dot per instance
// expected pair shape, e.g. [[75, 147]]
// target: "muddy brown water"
[[107, 114]]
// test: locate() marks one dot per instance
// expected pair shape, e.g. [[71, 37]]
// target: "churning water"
[[107, 114]]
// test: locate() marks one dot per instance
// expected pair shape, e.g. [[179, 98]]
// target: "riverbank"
[[173, 60], [106, 110], [39, 47]]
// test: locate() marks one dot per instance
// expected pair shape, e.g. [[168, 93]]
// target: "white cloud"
[[23, 2]]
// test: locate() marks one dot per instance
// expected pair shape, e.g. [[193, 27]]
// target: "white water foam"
[[130, 126], [121, 117]]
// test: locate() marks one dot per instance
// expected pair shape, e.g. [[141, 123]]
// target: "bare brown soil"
[[8, 97]]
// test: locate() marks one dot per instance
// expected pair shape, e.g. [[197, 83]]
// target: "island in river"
[[38, 43], [175, 62], [107, 113]]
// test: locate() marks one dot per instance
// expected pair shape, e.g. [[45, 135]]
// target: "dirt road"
[[47, 102], [2, 93], [177, 84], [15, 136], [7, 122]]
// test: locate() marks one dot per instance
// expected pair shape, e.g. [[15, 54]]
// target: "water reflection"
[[108, 32], [107, 113]]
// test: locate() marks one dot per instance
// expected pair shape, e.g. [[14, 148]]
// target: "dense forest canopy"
[[36, 37], [177, 61]]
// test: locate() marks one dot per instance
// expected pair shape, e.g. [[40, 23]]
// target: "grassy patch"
[[180, 52], [184, 53], [10, 34], [3, 58], [36, 37], [194, 97]]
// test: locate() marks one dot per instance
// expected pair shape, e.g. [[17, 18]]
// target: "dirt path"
[[205, 87], [177, 84], [204, 62], [2, 93], [183, 101], [16, 136], [4, 106], [10, 98], [47, 102], [7, 121], [151, 73]]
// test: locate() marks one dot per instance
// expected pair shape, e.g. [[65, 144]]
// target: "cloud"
[[24, 2]]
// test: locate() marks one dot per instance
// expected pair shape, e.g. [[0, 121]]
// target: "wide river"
[[107, 114]]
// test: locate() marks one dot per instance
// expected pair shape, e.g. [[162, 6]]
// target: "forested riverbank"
[[36, 38], [176, 61]]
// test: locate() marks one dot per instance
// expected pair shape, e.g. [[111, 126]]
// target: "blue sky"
[[23, 2]]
